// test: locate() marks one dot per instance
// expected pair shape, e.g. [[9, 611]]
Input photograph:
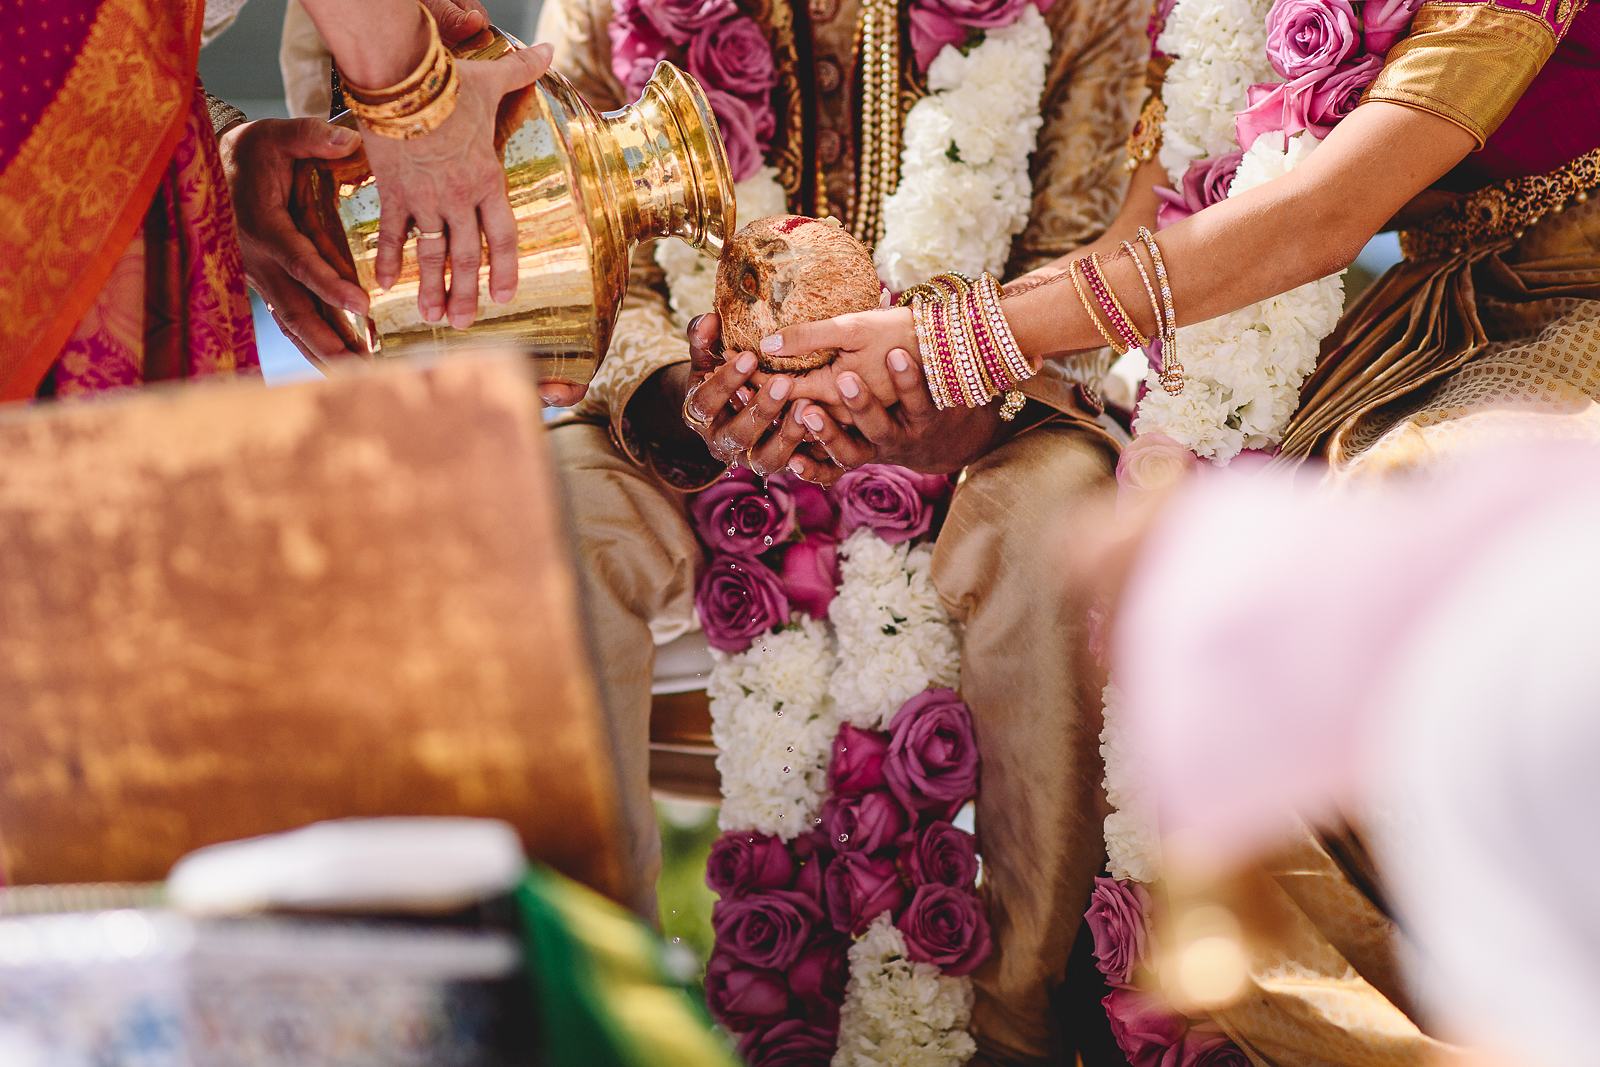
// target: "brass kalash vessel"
[[585, 188]]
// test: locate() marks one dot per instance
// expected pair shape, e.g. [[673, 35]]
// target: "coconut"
[[788, 269]]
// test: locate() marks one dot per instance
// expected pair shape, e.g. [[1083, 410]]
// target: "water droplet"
[[788, 748], [677, 941], [817, 821], [750, 840], [843, 838], [787, 768], [779, 711], [767, 540], [733, 531]]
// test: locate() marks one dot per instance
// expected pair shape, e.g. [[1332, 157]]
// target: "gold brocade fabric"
[[1512, 325], [1468, 63]]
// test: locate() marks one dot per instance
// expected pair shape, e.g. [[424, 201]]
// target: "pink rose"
[[895, 503], [811, 575], [946, 927], [1206, 182], [680, 20], [813, 505], [791, 1043], [1144, 1027], [818, 978], [1205, 1045], [1314, 102], [742, 862], [857, 763], [1153, 462], [932, 765], [746, 130], [1157, 24], [742, 997], [940, 855], [1117, 921], [936, 23], [741, 516], [734, 56], [765, 930], [738, 600], [1383, 22], [636, 48], [1333, 97], [864, 823], [1307, 36], [859, 889]]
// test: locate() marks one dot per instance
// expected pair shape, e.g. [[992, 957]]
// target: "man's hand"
[[910, 432], [737, 423], [458, 19], [281, 263]]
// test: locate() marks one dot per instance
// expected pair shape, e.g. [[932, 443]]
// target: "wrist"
[[376, 60]]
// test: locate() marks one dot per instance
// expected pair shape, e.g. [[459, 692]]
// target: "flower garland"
[[1253, 87], [848, 917]]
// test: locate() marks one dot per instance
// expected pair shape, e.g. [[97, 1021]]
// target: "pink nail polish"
[[899, 361], [746, 364], [813, 421], [796, 466], [849, 386], [780, 388]]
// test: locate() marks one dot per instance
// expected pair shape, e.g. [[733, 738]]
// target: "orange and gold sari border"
[[1466, 63], [81, 185]]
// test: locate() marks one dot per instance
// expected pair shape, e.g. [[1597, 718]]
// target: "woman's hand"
[[281, 263], [864, 340], [450, 181]]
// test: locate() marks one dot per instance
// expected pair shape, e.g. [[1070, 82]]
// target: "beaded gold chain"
[[878, 161]]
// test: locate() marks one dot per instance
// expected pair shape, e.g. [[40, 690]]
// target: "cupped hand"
[[908, 432], [739, 421], [280, 261], [864, 340], [451, 181]]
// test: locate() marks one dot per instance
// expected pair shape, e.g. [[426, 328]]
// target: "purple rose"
[[818, 978], [812, 879], [1307, 36], [857, 763], [864, 823], [746, 130], [941, 854], [742, 997], [738, 600], [636, 48], [811, 575], [1205, 1045], [859, 889], [1205, 183], [1383, 22], [813, 505], [895, 503], [791, 1043], [946, 927], [746, 862], [936, 23], [932, 764], [1144, 1027], [1315, 102], [765, 930], [734, 56], [680, 20], [1117, 921], [741, 516]]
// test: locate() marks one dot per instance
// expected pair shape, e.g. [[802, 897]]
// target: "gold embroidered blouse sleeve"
[[645, 340], [1467, 63]]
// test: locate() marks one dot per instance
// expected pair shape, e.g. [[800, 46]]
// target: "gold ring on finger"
[[427, 235]]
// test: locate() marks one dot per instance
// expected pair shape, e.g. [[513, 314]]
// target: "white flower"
[[897, 1012], [1132, 841]]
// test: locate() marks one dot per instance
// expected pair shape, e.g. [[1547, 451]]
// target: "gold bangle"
[[1149, 290], [412, 81], [1171, 368], [1088, 307], [418, 104]]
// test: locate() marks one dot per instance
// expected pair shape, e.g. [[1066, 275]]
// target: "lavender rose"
[[932, 764], [1144, 1027], [1116, 919], [811, 575], [1206, 182], [1152, 463], [818, 978], [813, 505], [636, 48], [946, 927], [746, 130], [1383, 22], [860, 888], [895, 503], [791, 1043], [864, 823], [857, 763], [936, 23], [765, 930], [940, 854], [747, 862], [738, 600], [742, 997], [1307, 36], [680, 20], [734, 56], [741, 516]]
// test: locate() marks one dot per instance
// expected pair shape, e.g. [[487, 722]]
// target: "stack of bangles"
[[969, 354], [417, 104], [1113, 321]]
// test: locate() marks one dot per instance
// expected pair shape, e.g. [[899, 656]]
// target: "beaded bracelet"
[[1121, 322], [1088, 306], [1171, 369], [1149, 290], [970, 357]]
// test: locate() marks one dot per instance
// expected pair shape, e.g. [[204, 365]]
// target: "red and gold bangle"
[[1088, 307], [944, 353], [934, 368], [1017, 366], [1120, 320]]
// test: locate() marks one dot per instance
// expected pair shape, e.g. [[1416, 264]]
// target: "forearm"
[[376, 43]]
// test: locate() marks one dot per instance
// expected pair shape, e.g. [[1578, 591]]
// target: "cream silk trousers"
[[1037, 710]]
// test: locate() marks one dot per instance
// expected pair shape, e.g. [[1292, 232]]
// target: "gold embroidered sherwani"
[[1037, 715]]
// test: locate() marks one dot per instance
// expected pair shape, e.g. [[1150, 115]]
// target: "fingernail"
[[813, 421], [695, 322], [355, 307], [899, 361], [551, 397], [503, 296], [746, 363], [544, 51], [744, 394], [796, 466], [431, 314], [339, 137], [769, 345], [780, 388], [849, 386], [461, 322]]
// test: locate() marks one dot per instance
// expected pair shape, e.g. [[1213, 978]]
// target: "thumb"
[[805, 338], [315, 139], [524, 66], [457, 21]]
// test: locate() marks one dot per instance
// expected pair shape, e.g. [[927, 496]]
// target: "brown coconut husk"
[[787, 269]]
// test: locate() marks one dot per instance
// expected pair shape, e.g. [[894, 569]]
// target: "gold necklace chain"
[[878, 161]]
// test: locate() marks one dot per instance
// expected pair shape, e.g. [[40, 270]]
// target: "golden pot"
[[585, 188]]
